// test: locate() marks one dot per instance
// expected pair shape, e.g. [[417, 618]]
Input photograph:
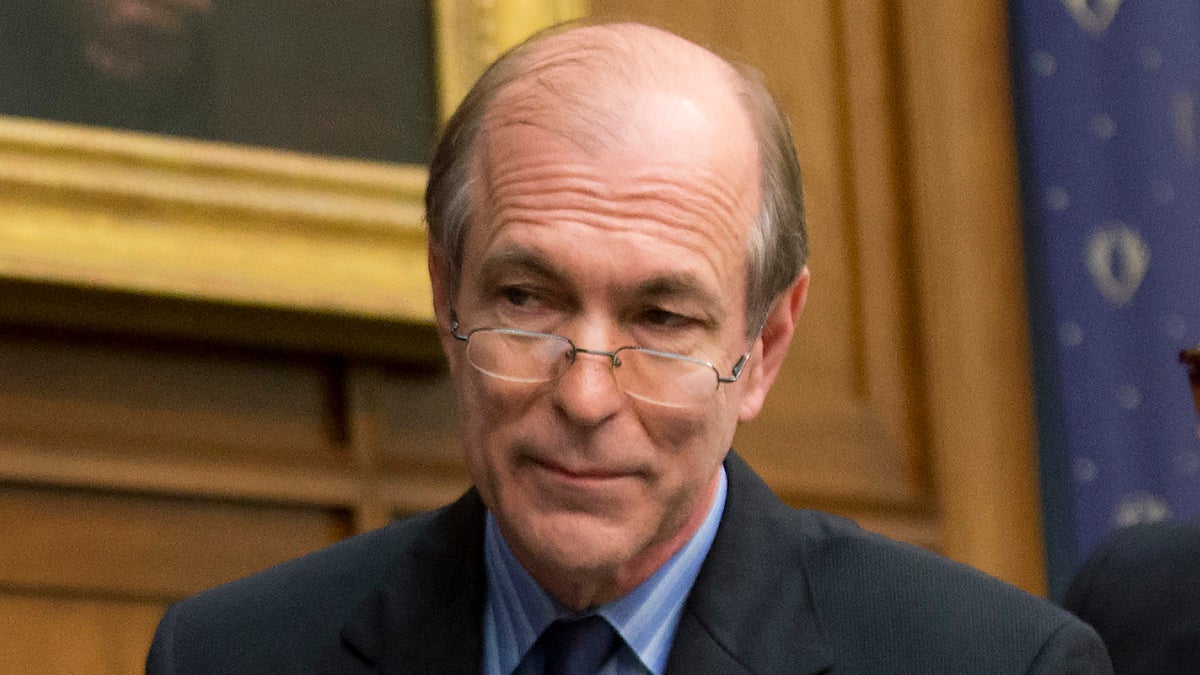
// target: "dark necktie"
[[578, 646]]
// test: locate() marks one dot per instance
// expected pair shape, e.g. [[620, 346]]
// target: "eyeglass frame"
[[614, 362]]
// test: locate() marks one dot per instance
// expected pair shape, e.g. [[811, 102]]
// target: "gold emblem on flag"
[[1117, 257], [1094, 16]]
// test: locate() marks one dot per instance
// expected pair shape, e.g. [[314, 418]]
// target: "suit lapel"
[[751, 608], [427, 616]]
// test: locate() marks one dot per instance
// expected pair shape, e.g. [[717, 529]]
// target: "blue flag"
[[1108, 107]]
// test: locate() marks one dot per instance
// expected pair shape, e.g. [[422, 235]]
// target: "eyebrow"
[[682, 285], [685, 286], [515, 257]]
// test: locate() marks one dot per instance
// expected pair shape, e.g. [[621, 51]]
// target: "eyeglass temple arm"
[[454, 326], [741, 363], [737, 370]]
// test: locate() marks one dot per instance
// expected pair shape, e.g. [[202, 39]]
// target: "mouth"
[[582, 473]]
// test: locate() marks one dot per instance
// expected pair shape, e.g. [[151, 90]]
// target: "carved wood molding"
[[163, 216]]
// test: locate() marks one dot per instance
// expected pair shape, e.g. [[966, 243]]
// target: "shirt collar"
[[519, 609]]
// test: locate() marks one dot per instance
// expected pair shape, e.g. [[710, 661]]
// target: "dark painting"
[[352, 78]]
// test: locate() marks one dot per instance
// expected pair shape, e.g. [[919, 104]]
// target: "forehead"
[[672, 194], [655, 160]]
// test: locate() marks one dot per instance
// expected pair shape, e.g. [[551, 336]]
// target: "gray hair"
[[777, 246]]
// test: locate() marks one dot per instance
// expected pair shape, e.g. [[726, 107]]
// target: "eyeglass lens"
[[664, 379]]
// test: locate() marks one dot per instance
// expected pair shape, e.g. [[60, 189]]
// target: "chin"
[[578, 544]]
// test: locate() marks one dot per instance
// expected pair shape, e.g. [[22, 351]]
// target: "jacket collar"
[[427, 615], [751, 609]]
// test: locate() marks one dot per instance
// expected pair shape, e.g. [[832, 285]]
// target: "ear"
[[441, 285], [774, 340]]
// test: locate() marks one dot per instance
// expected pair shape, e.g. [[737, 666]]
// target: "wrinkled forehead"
[[640, 130]]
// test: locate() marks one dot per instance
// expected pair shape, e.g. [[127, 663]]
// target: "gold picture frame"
[[130, 213]]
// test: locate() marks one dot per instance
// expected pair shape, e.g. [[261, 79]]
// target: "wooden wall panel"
[[159, 400], [52, 635], [85, 575], [402, 434], [137, 471], [72, 541], [419, 417], [966, 209]]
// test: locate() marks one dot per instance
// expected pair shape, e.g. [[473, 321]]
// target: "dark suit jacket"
[[782, 591], [1141, 592]]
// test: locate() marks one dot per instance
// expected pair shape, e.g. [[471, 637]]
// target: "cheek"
[[695, 435], [481, 439], [497, 403], [477, 413], [490, 411]]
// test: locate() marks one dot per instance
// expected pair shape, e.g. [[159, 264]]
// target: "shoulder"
[[1140, 589], [923, 609], [861, 569], [1136, 566], [913, 609], [865, 571], [1152, 550]]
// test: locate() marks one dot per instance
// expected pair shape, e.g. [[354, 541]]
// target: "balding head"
[[592, 85], [587, 84]]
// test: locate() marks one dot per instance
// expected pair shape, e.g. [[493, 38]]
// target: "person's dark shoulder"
[[1140, 590], [921, 609], [1149, 558]]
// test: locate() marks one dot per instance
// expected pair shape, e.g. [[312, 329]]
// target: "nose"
[[586, 392]]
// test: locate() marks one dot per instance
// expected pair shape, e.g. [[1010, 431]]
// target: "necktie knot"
[[578, 646]]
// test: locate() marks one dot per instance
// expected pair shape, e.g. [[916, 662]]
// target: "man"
[[617, 254]]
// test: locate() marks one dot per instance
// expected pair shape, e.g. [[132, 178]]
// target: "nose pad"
[[603, 365], [587, 392]]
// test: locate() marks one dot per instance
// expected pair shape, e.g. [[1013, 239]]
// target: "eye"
[[518, 296], [662, 318]]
